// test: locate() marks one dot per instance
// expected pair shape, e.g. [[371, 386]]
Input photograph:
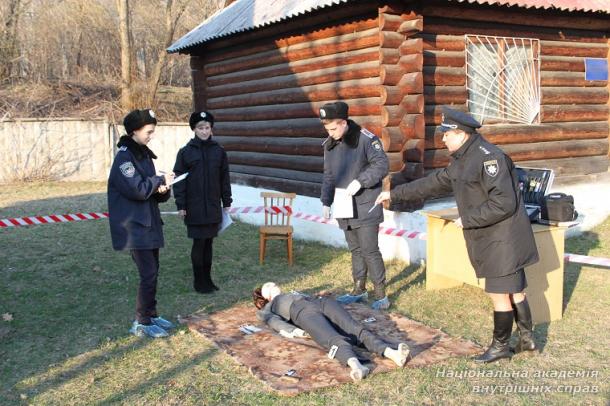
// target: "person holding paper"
[[497, 230], [199, 196], [354, 167], [295, 315], [134, 194]]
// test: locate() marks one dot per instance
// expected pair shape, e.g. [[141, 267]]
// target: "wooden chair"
[[277, 224]]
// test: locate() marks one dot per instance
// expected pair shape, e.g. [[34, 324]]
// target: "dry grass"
[[71, 299]]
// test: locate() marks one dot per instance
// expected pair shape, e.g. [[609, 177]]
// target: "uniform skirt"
[[511, 283], [202, 231]]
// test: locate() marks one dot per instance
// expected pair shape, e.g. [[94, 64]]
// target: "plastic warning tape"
[[66, 218]]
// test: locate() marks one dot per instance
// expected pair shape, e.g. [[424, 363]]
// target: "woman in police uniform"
[[498, 234], [134, 193]]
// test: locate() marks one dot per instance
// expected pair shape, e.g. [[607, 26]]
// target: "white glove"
[[353, 187], [326, 212], [296, 333]]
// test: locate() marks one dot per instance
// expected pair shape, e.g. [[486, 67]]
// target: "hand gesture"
[[169, 178], [182, 213], [383, 196]]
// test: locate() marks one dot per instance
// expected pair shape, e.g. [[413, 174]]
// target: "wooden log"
[[442, 76], [351, 89], [532, 151], [388, 39], [565, 48], [297, 127], [433, 113], [568, 79], [392, 115], [198, 78], [444, 58], [388, 56], [565, 167], [414, 103], [410, 27], [308, 50], [438, 42], [445, 94], [321, 76], [562, 63], [411, 46], [370, 106], [502, 134], [393, 139], [273, 145], [389, 22], [289, 174], [268, 44], [413, 126], [579, 112], [551, 19], [307, 65], [407, 82], [414, 151], [411, 63], [460, 27], [281, 185], [574, 95], [293, 162], [396, 161]]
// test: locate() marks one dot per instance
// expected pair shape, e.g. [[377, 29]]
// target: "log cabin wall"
[[265, 95], [572, 137]]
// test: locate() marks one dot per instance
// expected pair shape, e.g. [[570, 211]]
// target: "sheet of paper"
[[226, 222], [343, 206], [179, 178]]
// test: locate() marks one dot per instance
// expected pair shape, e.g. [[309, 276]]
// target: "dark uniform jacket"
[[358, 155], [135, 220], [207, 183], [497, 231]]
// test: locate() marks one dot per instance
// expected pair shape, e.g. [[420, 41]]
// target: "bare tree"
[[126, 52], [9, 50]]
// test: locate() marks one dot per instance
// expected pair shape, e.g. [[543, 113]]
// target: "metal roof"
[[245, 15]]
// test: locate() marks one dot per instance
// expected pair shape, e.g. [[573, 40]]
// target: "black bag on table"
[[558, 207]]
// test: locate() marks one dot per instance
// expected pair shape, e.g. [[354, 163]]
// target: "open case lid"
[[534, 184]]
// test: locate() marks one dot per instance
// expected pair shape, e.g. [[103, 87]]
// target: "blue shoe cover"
[[151, 330], [347, 298], [161, 322], [381, 304]]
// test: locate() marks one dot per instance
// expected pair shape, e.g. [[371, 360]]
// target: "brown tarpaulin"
[[269, 356]]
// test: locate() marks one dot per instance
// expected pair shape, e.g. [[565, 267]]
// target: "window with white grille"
[[503, 79]]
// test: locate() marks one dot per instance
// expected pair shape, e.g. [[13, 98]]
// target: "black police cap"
[[201, 116], [137, 119], [454, 119], [331, 111]]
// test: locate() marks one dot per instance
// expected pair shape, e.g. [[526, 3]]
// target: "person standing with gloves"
[[199, 196], [497, 230], [134, 194], [354, 159]]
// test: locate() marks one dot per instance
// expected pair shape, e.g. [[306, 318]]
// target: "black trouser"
[[328, 324], [363, 242], [201, 257], [147, 262]]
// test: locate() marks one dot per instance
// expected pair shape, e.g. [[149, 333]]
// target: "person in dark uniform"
[[134, 194], [354, 160], [497, 230], [199, 196], [327, 323]]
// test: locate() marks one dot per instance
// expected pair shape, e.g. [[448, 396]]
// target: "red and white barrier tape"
[[65, 218]]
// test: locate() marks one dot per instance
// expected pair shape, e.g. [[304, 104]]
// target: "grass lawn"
[[67, 301]]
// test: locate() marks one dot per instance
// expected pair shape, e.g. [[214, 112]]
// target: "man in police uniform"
[[496, 228], [134, 194], [354, 160]]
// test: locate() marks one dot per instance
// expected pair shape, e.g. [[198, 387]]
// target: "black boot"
[[200, 281], [523, 319], [499, 347], [359, 287], [208, 277]]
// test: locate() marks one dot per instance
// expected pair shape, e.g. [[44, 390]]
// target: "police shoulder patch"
[[127, 169], [123, 148], [491, 167], [367, 133], [485, 150], [377, 145]]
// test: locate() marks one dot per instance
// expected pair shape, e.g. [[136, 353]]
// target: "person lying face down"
[[326, 322]]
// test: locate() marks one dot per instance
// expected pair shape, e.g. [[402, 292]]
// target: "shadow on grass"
[[580, 245], [68, 273]]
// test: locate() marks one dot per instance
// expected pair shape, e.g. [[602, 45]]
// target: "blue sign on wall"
[[596, 69]]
